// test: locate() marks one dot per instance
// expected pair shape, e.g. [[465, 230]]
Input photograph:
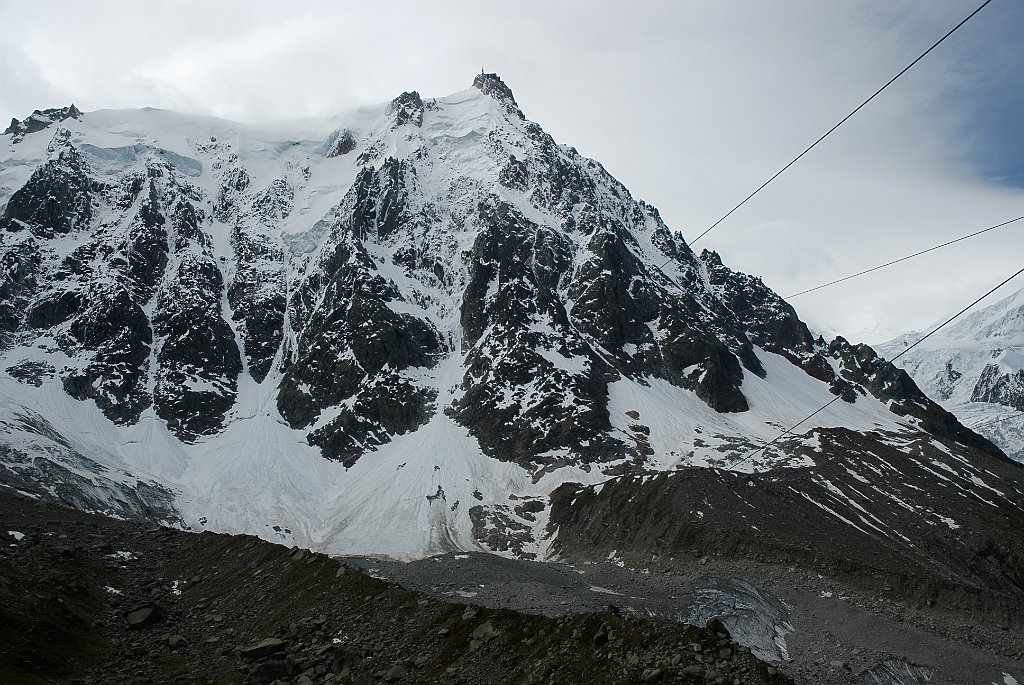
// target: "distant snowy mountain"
[[975, 369], [400, 330]]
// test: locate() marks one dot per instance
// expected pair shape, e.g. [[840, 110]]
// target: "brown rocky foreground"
[[88, 599]]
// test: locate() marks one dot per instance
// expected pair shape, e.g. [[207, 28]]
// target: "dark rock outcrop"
[[491, 84], [19, 265], [407, 108], [341, 143], [861, 365], [57, 198], [197, 360], [1000, 386], [38, 120], [526, 392], [354, 345]]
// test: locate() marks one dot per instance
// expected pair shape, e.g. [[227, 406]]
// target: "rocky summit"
[[427, 327]]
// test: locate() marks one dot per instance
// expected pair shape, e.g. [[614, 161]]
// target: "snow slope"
[[975, 368]]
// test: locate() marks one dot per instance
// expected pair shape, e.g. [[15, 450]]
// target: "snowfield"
[[975, 369]]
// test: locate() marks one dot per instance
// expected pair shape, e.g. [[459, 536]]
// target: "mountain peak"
[[40, 119], [491, 84], [443, 313], [710, 257], [407, 108]]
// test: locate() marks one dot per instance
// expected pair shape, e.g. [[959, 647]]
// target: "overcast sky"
[[691, 104]]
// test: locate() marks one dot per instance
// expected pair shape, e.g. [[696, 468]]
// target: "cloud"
[[20, 74]]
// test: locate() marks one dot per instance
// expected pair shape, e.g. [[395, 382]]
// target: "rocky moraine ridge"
[[92, 600]]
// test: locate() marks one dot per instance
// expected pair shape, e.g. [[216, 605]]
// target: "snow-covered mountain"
[[975, 369], [399, 331]]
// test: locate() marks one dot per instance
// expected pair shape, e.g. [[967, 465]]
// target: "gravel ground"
[[828, 634]]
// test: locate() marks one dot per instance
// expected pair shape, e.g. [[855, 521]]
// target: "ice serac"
[[394, 331]]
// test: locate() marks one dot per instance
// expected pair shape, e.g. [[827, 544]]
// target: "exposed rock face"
[[57, 198], [504, 349], [198, 358], [94, 299], [354, 345], [407, 108], [893, 386], [257, 298], [491, 84], [850, 370], [20, 265], [341, 143], [38, 120], [769, 320], [1000, 386], [257, 291]]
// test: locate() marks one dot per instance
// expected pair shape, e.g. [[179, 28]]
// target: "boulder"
[[262, 649], [145, 616]]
